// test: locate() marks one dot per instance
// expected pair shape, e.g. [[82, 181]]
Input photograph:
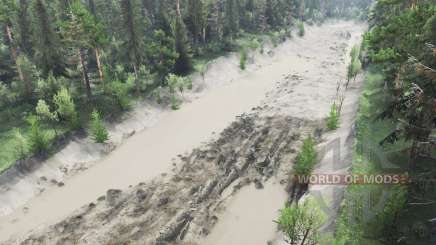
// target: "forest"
[[70, 67], [68, 64], [398, 116]]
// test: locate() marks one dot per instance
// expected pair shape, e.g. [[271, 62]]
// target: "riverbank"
[[297, 92]]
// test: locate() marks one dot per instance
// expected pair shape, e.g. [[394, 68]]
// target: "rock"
[[113, 196], [163, 201], [61, 184], [141, 195], [258, 184]]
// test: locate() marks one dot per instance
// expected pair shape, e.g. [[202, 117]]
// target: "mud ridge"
[[180, 208]]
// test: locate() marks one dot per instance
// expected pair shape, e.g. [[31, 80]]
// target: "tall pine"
[[183, 63], [48, 53]]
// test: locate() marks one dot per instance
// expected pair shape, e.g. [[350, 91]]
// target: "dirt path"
[[304, 71]]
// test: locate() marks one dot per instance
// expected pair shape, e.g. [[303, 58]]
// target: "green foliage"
[[301, 222], [45, 115], [355, 52], [177, 84], [65, 108], [301, 30], [119, 91], [306, 159], [6, 95], [175, 103], [99, 132], [183, 63], [243, 59], [20, 144], [333, 118], [162, 54], [38, 140]]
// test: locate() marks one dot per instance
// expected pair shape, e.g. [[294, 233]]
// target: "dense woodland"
[[396, 128], [63, 61]]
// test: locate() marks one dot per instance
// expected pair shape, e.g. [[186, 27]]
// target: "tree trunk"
[[179, 14], [14, 52], [100, 68], [85, 74]]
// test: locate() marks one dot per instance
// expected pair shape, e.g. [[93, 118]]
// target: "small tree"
[[301, 30], [45, 115], [333, 118], [66, 108], [176, 83], [300, 223], [99, 132], [20, 144], [202, 69], [38, 141], [306, 159], [243, 59]]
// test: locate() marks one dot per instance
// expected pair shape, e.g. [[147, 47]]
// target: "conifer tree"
[[183, 63], [133, 38], [48, 53]]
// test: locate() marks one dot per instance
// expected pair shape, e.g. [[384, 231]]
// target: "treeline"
[[67, 58], [396, 128]]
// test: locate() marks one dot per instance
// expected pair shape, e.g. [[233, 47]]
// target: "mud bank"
[[182, 207], [301, 79]]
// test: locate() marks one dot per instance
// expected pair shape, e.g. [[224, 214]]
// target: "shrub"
[[275, 38], [21, 144], [120, 92], [301, 222], [301, 30], [45, 115], [66, 108], [306, 159], [333, 118], [38, 140], [175, 103], [99, 132], [243, 59]]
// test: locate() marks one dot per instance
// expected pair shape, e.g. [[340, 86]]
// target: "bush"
[[66, 108], [99, 132], [243, 59], [301, 222], [301, 30], [120, 92], [175, 103], [333, 119], [306, 159], [38, 140], [21, 144]]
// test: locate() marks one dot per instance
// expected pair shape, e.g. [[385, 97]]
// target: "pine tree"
[[23, 24], [47, 44], [183, 63], [232, 18], [133, 38], [85, 33], [7, 11], [197, 19]]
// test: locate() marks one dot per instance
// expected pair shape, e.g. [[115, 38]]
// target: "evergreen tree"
[[232, 18], [183, 63], [23, 24], [133, 37], [197, 19], [7, 11], [48, 53]]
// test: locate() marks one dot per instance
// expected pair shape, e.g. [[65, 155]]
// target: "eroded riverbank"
[[305, 72]]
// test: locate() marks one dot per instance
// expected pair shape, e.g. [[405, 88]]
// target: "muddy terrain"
[[183, 207], [282, 98]]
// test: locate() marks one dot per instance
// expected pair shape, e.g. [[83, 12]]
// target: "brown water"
[[148, 154]]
